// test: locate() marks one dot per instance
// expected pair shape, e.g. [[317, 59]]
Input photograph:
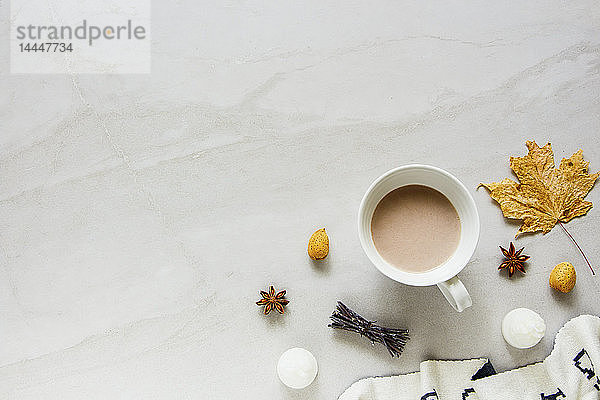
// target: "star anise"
[[514, 260], [273, 301]]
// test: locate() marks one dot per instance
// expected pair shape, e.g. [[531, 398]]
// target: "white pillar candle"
[[523, 328], [297, 368]]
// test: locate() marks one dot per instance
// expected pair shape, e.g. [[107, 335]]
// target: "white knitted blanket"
[[570, 372]]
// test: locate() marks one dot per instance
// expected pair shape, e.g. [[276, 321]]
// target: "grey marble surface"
[[140, 215]]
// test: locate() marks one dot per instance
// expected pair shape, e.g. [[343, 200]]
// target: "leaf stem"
[[581, 251]]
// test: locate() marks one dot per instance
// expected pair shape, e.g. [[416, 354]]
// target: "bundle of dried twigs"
[[346, 319]]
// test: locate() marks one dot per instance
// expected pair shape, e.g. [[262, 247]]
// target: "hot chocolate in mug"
[[445, 274]]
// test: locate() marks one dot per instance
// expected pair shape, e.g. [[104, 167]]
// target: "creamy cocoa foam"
[[415, 228]]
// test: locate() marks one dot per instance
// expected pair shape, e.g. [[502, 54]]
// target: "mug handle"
[[454, 291]]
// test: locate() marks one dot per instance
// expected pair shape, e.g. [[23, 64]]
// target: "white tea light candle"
[[297, 368]]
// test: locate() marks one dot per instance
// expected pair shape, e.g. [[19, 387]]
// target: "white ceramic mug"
[[444, 275]]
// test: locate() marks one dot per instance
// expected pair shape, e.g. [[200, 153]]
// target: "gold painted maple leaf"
[[545, 195]]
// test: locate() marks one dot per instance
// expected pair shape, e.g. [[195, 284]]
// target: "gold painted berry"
[[318, 245], [563, 277]]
